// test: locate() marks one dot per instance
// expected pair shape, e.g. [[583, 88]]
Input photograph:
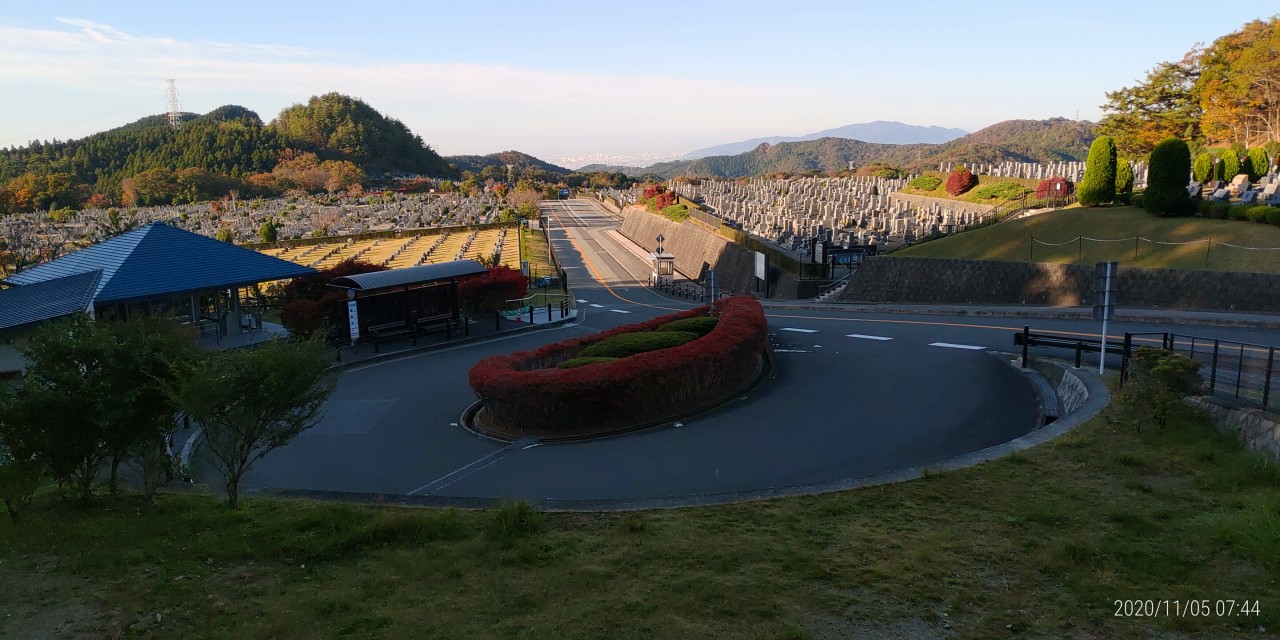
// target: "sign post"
[[353, 316], [1104, 307]]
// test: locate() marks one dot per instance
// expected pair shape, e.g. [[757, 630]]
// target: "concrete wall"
[[1072, 392], [695, 248], [924, 202], [11, 362], [947, 281]]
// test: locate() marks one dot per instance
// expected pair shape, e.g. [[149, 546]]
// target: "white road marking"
[[598, 306], [581, 301], [956, 346], [863, 337], [800, 330], [790, 351], [619, 311]]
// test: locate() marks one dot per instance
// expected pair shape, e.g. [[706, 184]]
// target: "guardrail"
[[1244, 371]]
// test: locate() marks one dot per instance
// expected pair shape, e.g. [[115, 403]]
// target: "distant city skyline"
[[573, 80]]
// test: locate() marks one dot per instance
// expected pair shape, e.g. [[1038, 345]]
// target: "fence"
[[1193, 254], [1240, 370]]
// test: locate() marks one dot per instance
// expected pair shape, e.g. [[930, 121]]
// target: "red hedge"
[[310, 303], [1048, 188], [488, 291], [960, 181], [525, 394]]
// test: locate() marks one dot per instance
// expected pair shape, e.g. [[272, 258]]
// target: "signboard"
[[564, 193], [819, 251], [353, 320], [761, 266], [535, 224]]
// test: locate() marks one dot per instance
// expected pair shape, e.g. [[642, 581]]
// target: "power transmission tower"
[[175, 110]]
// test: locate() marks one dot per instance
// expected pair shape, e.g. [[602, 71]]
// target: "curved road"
[[850, 396]]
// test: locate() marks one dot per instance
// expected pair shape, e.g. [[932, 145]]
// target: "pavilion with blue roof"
[[155, 269]]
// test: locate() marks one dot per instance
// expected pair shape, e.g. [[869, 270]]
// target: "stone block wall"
[[1257, 429], [888, 279], [696, 249], [943, 203], [1072, 392]]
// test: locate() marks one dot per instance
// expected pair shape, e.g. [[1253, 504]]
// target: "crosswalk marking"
[[581, 301], [598, 306], [864, 337], [948, 345], [800, 330], [619, 310]]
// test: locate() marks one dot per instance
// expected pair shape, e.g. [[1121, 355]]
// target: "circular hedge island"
[[625, 378]]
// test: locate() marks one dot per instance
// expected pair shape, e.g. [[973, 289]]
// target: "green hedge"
[[1264, 214], [1099, 183], [629, 344], [583, 361], [1166, 194], [701, 325], [925, 183]]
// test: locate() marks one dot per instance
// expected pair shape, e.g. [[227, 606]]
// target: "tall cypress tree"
[[1166, 193], [1124, 180], [1099, 183]]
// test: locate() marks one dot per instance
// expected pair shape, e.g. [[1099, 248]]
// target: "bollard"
[[1026, 338], [1079, 350], [548, 311], [497, 320], [530, 314]]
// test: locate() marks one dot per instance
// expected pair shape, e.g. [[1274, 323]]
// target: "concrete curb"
[[1214, 318], [1098, 398]]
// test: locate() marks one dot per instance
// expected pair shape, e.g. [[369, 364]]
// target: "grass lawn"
[[1011, 240], [533, 248], [971, 195], [1038, 545]]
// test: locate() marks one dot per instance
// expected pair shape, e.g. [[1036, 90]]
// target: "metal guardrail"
[[1240, 370]]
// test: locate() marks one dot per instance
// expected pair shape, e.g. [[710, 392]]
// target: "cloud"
[[491, 101]]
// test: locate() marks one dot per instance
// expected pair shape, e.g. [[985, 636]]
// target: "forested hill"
[[501, 159], [1016, 140], [210, 155]]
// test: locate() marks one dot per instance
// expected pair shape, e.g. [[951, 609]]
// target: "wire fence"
[[1195, 254], [1240, 370]]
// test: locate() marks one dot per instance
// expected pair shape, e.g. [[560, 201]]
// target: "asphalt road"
[[850, 396]]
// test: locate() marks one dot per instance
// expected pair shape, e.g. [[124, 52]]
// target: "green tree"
[[248, 402], [1163, 105], [268, 232], [1203, 167], [1166, 193], [225, 235], [1098, 186], [1256, 163], [1230, 164], [1124, 180]]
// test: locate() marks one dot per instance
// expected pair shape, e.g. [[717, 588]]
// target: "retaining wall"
[[945, 203], [696, 250], [1256, 428], [950, 281]]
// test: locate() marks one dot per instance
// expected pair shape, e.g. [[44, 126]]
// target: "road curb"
[[1219, 318]]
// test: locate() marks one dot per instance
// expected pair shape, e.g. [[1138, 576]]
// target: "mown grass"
[[1011, 240], [971, 195], [533, 248], [1039, 544]]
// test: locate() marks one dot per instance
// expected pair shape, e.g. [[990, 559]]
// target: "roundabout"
[[837, 407]]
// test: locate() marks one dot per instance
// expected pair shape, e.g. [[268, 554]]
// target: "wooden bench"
[[390, 330], [436, 323]]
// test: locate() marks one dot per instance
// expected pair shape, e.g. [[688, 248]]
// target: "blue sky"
[[561, 79]]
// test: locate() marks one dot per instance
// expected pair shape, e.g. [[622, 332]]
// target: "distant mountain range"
[[1052, 140], [880, 131]]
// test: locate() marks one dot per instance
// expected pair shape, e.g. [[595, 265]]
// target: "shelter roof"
[[47, 300], [408, 276]]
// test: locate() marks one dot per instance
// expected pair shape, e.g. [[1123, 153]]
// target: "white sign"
[[760, 266], [353, 320]]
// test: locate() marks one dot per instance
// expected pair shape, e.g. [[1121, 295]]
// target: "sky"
[[573, 80]]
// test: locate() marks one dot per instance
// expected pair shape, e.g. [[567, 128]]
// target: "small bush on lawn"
[[960, 181], [1135, 200], [701, 325], [1273, 216], [1158, 380], [629, 344], [676, 212], [583, 361], [1055, 187], [1219, 210], [1007, 190], [925, 183], [1238, 212], [513, 521], [1261, 214]]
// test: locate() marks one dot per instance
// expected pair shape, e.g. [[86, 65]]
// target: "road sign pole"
[[1108, 277]]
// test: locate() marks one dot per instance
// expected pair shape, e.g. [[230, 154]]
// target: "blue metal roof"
[[409, 275], [158, 260], [47, 300]]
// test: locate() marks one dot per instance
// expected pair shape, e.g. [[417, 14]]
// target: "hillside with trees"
[[517, 160], [1225, 93], [330, 143]]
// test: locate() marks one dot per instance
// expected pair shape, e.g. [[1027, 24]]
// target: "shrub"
[[1256, 163], [1262, 214], [1098, 186], [676, 212], [960, 180], [1007, 190], [1124, 180], [1273, 216], [513, 521], [1237, 211], [1135, 200], [525, 394], [1049, 188], [1166, 193], [488, 292], [925, 183], [701, 325], [1230, 164], [1158, 380], [1219, 210], [629, 344], [1203, 167], [310, 303], [582, 361]]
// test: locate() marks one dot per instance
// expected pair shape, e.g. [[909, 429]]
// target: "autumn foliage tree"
[[961, 180], [488, 292], [311, 305]]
